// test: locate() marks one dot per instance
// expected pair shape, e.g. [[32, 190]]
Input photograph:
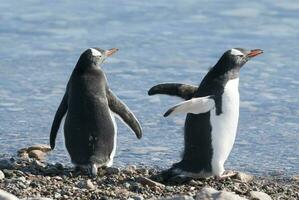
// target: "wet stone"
[[37, 154], [112, 170], [245, 178], [6, 164]]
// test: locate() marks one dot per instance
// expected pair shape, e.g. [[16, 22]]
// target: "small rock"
[[23, 156], [38, 164], [2, 176], [37, 154], [122, 192], [296, 178], [89, 185], [58, 178], [86, 184], [127, 185], [9, 173], [132, 168], [208, 193], [254, 195], [59, 166], [178, 197], [36, 151], [169, 189], [22, 179], [41, 147], [245, 178], [38, 198], [19, 173], [7, 196], [143, 171], [57, 195], [34, 184], [149, 182], [112, 170], [139, 197]]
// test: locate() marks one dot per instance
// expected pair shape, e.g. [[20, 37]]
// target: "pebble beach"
[[29, 178]]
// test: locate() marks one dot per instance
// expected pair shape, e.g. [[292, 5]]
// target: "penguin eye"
[[241, 56]]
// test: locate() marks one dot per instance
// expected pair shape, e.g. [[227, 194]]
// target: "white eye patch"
[[95, 52], [236, 52]]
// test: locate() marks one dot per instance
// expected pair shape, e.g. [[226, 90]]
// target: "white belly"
[[224, 126], [110, 162]]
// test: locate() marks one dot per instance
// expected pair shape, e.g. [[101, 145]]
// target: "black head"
[[235, 58], [94, 57]]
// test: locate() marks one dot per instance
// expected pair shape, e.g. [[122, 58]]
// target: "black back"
[[89, 103], [88, 126]]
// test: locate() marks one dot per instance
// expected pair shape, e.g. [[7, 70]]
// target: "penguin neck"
[[224, 68], [85, 65]]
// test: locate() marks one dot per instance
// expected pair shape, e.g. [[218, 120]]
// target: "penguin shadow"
[[45, 169], [168, 178]]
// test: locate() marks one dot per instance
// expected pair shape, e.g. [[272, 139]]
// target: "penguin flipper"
[[57, 120], [122, 111], [174, 89], [194, 106]]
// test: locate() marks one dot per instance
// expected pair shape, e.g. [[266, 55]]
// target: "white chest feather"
[[224, 126], [109, 164]]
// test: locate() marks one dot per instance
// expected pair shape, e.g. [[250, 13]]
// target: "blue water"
[[159, 41]]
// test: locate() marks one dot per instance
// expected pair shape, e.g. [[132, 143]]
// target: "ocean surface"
[[159, 41]]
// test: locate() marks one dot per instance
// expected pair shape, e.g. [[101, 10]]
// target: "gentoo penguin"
[[90, 106], [212, 115]]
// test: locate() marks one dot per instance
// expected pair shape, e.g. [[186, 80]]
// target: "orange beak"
[[254, 53], [110, 52]]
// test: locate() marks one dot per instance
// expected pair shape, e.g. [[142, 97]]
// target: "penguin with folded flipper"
[[90, 107], [212, 111]]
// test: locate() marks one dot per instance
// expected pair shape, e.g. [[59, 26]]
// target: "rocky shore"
[[32, 179]]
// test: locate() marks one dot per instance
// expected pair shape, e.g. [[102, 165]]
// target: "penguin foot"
[[173, 177], [81, 169]]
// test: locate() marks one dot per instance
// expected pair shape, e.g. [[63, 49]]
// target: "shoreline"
[[31, 178]]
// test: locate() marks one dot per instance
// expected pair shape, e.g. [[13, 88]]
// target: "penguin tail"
[[94, 169]]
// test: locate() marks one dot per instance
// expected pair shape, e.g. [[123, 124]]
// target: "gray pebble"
[[112, 170], [57, 195], [169, 189], [211, 193], [7, 196], [259, 196], [178, 197], [127, 185]]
